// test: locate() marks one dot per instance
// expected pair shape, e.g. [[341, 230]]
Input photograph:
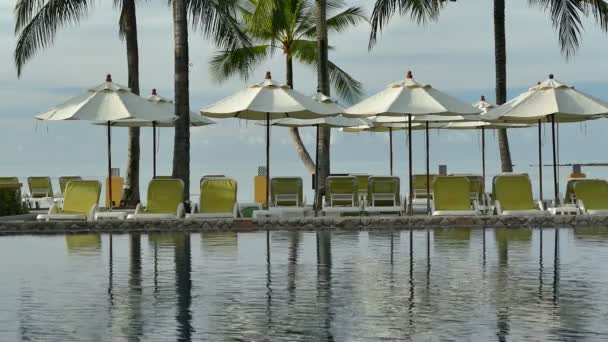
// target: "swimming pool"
[[428, 285]]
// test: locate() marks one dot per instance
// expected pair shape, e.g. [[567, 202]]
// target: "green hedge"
[[10, 201]]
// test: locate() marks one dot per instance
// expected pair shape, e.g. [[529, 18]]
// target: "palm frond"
[[566, 16], [340, 22], [421, 11], [347, 88], [242, 61], [37, 22], [216, 19], [262, 10]]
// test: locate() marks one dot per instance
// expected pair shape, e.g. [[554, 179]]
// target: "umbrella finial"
[[409, 75], [268, 75], [109, 78], [154, 92], [550, 76], [483, 98]]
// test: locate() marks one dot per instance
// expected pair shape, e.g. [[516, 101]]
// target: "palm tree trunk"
[[293, 131], [181, 145], [130, 195], [324, 137], [500, 57]]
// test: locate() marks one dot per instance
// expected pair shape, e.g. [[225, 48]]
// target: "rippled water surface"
[[443, 285]]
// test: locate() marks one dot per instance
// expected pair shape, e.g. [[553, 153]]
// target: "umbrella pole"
[[540, 160], [153, 149], [317, 199], [428, 186], [483, 158], [267, 160], [409, 145], [556, 186], [390, 139], [110, 164]]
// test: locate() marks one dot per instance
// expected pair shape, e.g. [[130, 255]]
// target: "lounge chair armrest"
[[541, 205], [92, 212], [497, 207], [235, 210], [476, 205], [139, 209], [581, 205], [54, 209], [181, 211]]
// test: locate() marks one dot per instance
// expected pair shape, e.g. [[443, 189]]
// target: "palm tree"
[[323, 133], [565, 14], [36, 25], [215, 19], [289, 27]]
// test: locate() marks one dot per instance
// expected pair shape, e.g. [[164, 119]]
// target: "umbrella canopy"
[[549, 101], [410, 97], [108, 101], [338, 121], [269, 98], [550, 98], [484, 105], [196, 120]]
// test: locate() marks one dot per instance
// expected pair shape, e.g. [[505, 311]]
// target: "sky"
[[454, 54]]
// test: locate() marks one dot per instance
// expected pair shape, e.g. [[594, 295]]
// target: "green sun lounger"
[[80, 202], [383, 195], [40, 187], [217, 199], [41, 192], [286, 197], [420, 194], [363, 180], [165, 201], [452, 196], [512, 195], [9, 180], [592, 196], [341, 195], [63, 181]]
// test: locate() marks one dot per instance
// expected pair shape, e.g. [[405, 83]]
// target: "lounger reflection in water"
[[383, 195], [341, 195], [80, 202], [592, 196], [512, 195], [452, 196], [217, 199], [165, 201]]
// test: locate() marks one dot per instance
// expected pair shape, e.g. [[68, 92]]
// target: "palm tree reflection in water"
[[183, 285], [324, 283], [135, 288]]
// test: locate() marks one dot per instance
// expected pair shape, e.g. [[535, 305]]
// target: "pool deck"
[[24, 224]]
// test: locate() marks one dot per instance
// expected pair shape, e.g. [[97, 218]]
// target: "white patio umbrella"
[[408, 99], [482, 126], [196, 120], [269, 100], [338, 121], [108, 102], [549, 101], [376, 127]]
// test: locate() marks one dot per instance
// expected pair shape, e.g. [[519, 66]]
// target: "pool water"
[[442, 285]]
